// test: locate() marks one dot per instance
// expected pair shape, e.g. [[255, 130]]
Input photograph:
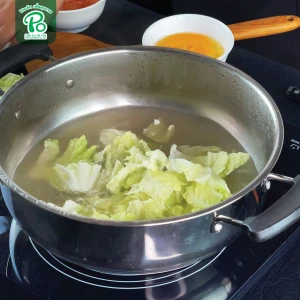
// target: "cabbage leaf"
[[75, 177], [159, 132], [127, 180], [7, 81], [47, 157]]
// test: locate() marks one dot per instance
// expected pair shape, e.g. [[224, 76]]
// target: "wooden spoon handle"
[[264, 27]]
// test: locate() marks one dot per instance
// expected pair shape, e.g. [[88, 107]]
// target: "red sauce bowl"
[[77, 4], [77, 15]]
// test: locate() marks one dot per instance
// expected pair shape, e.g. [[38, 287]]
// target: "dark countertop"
[[281, 281]]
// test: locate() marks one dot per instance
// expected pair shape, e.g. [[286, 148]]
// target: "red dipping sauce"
[[77, 4]]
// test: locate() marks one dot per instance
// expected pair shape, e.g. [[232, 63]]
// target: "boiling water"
[[189, 130]]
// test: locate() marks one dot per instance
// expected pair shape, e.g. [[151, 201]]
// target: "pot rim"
[[4, 178]]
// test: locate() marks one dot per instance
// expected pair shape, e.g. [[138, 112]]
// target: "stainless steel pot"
[[145, 76]]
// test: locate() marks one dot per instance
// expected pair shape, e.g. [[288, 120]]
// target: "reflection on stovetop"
[[126, 282], [218, 277]]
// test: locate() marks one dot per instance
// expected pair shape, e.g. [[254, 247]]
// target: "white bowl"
[[189, 23], [79, 20]]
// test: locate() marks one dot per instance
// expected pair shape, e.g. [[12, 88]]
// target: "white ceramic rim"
[[79, 9], [224, 26]]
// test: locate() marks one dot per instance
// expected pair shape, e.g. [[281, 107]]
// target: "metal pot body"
[[139, 76], [128, 250]]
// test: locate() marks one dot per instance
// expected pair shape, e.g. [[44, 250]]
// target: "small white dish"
[[79, 20], [190, 23]]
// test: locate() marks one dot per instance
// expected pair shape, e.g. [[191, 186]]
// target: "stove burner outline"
[[147, 283], [125, 281]]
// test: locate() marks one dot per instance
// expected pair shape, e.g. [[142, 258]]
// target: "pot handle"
[[17, 56], [277, 218]]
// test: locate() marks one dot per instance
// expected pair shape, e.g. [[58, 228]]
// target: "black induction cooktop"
[[229, 274]]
